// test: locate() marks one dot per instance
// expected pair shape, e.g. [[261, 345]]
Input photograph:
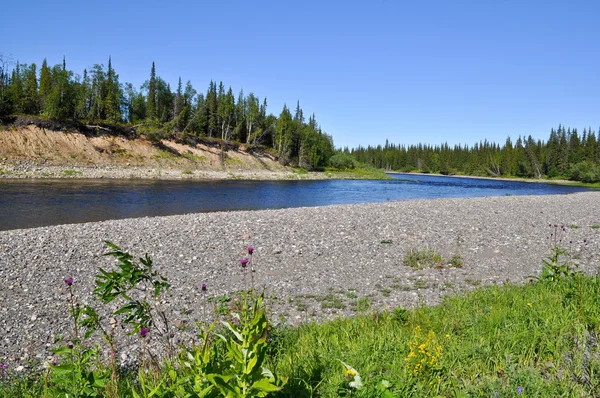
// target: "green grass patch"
[[420, 259], [187, 172], [538, 337], [232, 161], [195, 158], [164, 154], [71, 172], [595, 226], [368, 173]]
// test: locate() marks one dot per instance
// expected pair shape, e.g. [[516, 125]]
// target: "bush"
[[342, 161], [585, 172]]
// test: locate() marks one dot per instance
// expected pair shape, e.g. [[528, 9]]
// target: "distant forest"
[[567, 154], [159, 111]]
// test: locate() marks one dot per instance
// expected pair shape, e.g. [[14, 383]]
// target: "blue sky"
[[408, 71]]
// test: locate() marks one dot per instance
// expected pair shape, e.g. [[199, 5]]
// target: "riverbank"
[[314, 263], [519, 179]]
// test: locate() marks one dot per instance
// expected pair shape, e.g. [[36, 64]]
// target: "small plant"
[[195, 158], [456, 261], [243, 374], [71, 172], [596, 226], [554, 268], [187, 172], [420, 259], [473, 282], [425, 353], [363, 304], [420, 284], [331, 301], [353, 375]]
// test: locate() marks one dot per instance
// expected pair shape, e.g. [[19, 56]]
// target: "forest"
[[159, 111], [567, 154]]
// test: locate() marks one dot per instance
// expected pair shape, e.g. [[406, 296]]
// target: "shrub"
[[342, 161]]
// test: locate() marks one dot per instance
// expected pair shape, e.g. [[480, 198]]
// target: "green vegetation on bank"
[[538, 339]]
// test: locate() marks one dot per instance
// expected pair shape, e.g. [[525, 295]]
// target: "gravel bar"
[[313, 263]]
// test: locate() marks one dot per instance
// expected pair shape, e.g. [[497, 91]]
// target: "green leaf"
[[231, 328], [265, 385], [63, 369]]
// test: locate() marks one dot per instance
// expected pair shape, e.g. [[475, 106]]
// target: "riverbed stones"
[[313, 263]]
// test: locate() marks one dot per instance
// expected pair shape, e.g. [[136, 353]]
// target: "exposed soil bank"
[[36, 152]]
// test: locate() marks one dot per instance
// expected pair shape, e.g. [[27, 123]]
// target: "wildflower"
[[143, 332], [520, 390], [204, 287], [529, 304], [350, 372], [69, 281], [250, 250], [244, 262], [70, 345], [3, 367]]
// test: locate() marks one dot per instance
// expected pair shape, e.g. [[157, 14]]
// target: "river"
[[36, 203]]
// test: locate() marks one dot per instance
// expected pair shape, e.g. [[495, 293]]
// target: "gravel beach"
[[313, 263]]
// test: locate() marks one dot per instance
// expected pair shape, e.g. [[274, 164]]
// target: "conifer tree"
[[151, 110]]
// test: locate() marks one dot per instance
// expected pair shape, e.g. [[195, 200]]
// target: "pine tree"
[[5, 100], [30, 103], [152, 94], [45, 83], [112, 101]]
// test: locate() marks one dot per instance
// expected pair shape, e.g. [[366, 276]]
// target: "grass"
[[71, 172], [195, 158], [187, 172], [165, 154], [367, 173], [495, 339], [231, 161], [420, 259]]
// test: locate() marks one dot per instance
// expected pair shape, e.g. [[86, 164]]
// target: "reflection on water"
[[27, 203]]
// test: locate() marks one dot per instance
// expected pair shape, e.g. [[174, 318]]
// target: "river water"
[[35, 203]]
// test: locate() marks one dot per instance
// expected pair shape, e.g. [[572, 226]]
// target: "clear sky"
[[408, 71]]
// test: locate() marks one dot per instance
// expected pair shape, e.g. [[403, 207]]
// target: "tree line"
[[566, 154], [98, 96]]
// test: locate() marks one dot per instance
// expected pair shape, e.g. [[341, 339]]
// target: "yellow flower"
[[529, 304], [351, 372]]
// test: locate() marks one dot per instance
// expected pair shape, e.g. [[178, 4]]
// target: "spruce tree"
[[151, 109]]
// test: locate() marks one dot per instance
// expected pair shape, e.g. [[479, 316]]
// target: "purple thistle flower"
[[69, 281], [250, 250], [520, 390], [143, 332], [204, 287], [244, 262]]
